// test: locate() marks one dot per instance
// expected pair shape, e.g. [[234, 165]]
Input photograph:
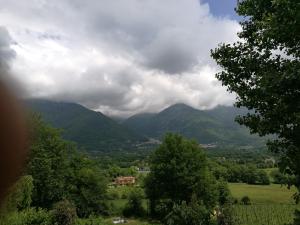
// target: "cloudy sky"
[[120, 57]]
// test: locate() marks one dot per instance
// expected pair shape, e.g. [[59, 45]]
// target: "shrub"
[[235, 201], [264, 178], [246, 200], [64, 213], [297, 217], [112, 195], [134, 205], [225, 215], [224, 193], [29, 216], [188, 214], [20, 195], [124, 196]]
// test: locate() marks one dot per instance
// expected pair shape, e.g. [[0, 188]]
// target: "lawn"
[[263, 194]]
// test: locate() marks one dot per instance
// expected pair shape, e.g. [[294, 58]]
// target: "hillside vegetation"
[[216, 126], [97, 132], [91, 130]]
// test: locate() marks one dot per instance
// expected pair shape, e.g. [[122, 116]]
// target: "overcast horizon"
[[117, 57]]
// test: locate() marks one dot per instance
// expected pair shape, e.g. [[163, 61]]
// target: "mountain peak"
[[180, 106]]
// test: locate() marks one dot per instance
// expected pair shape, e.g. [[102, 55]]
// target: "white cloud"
[[121, 57]]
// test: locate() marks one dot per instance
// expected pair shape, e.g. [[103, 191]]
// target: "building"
[[125, 181]]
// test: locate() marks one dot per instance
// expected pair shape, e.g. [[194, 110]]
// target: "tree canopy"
[[263, 69], [179, 171], [61, 172]]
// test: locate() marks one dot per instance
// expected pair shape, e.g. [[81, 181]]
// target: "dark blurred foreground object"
[[12, 140]]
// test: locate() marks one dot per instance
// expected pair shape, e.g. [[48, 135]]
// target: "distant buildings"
[[208, 145], [125, 181]]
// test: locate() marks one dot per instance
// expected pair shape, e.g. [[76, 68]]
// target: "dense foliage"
[[60, 172], [59, 182], [180, 180], [239, 173], [134, 205]]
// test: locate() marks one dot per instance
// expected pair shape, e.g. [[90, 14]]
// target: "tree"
[[134, 206], [251, 175], [86, 185], [224, 193], [47, 163], [179, 170], [60, 172], [263, 177], [263, 70]]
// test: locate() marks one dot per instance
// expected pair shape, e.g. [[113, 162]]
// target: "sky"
[[119, 57]]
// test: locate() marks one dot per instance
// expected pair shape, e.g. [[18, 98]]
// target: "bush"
[[192, 214], [263, 178], [20, 195], [246, 200], [225, 215], [297, 217], [124, 196], [134, 206], [112, 195], [224, 193], [235, 201], [29, 216], [64, 213]]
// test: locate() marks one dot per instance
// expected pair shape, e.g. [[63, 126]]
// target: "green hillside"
[[96, 132], [89, 129], [206, 126]]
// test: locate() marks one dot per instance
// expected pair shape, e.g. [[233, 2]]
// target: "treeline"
[[59, 183], [259, 156], [239, 173]]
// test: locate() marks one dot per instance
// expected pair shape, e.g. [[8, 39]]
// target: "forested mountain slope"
[[206, 126], [89, 129]]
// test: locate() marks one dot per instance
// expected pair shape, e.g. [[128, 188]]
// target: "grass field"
[[263, 194]]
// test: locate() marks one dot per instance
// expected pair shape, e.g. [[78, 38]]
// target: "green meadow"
[[263, 194], [270, 204]]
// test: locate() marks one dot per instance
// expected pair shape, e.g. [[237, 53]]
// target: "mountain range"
[[215, 126], [91, 130], [97, 132]]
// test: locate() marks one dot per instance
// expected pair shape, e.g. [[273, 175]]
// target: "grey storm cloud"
[[120, 57]]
